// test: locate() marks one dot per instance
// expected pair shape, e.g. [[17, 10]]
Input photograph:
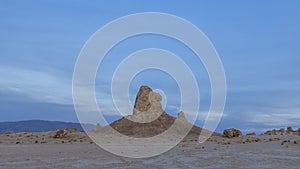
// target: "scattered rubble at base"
[[282, 131]]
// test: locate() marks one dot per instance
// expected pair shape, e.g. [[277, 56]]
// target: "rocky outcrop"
[[148, 118], [181, 117], [61, 133], [142, 101], [282, 131], [147, 106], [230, 133]]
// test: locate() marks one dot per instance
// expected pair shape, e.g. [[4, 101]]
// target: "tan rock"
[[142, 102], [232, 133], [147, 106], [281, 131], [184, 145], [74, 129], [61, 133], [149, 119], [181, 116]]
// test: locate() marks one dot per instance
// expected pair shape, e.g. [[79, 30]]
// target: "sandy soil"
[[275, 151]]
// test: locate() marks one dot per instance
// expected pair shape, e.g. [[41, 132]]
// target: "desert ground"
[[76, 150]]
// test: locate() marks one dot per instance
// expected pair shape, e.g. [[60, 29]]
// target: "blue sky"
[[256, 41]]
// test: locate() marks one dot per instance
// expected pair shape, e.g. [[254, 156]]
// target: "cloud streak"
[[38, 86]]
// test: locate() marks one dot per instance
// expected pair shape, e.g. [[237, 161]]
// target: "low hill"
[[39, 126]]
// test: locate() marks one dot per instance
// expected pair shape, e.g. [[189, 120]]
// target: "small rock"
[[297, 142], [184, 145]]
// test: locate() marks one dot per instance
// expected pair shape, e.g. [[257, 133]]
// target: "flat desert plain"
[[41, 150]]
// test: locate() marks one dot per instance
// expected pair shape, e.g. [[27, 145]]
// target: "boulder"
[[232, 133], [61, 133]]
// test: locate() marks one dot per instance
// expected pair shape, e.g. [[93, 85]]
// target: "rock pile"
[[230, 133], [61, 133], [282, 131]]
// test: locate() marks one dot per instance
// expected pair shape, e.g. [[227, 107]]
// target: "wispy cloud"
[[36, 85], [283, 118]]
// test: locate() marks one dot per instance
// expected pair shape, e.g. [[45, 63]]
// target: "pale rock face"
[[142, 102], [147, 106], [181, 117], [183, 120]]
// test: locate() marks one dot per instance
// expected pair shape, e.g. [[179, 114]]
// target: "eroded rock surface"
[[282, 131], [61, 133], [149, 119], [230, 133]]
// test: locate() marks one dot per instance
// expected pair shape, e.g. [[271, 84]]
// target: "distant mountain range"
[[40, 126]]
